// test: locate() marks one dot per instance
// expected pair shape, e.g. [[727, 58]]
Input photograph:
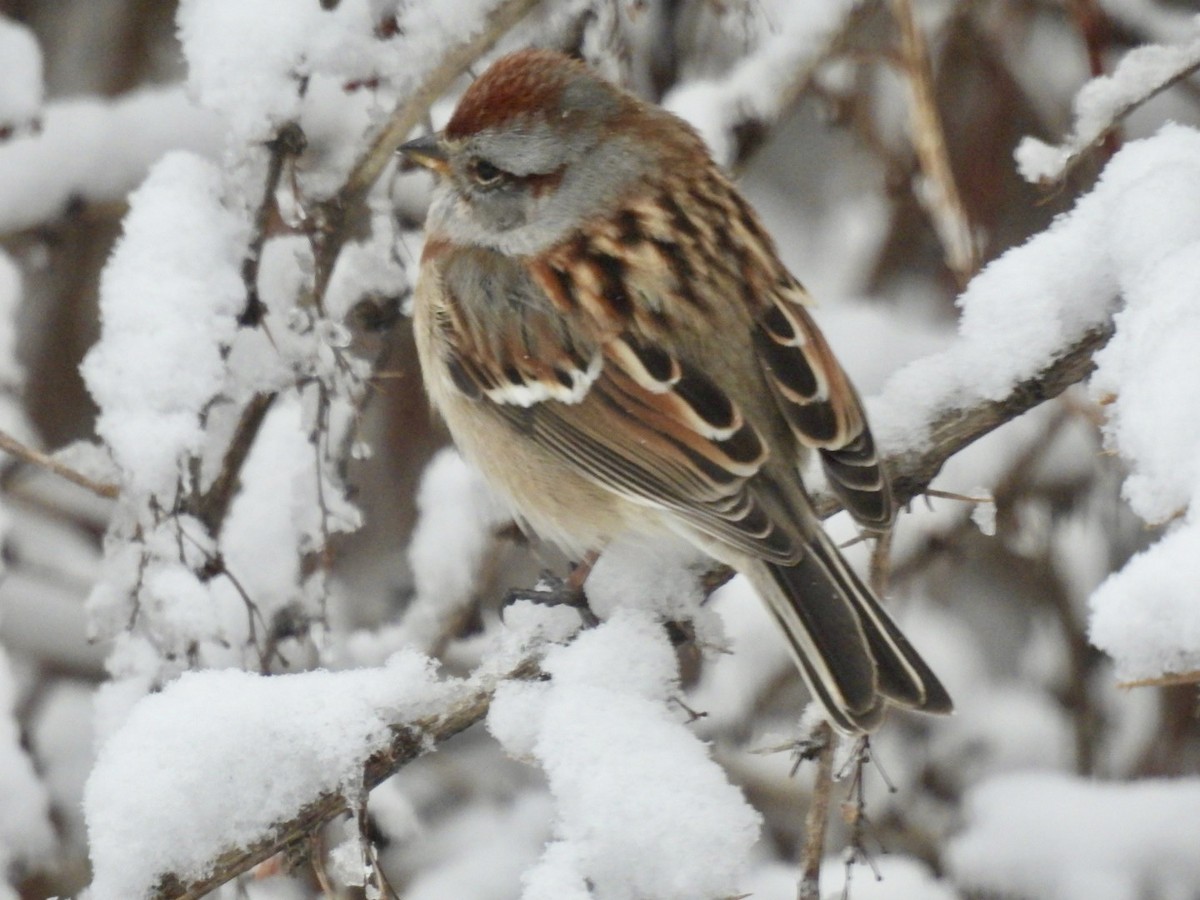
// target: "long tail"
[[852, 655]]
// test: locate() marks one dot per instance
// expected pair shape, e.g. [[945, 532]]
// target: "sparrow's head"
[[538, 144]]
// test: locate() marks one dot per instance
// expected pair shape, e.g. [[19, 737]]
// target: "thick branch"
[[913, 471]]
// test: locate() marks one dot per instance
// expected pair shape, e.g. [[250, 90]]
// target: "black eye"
[[485, 173]]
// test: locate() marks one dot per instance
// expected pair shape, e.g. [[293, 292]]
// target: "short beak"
[[427, 151]]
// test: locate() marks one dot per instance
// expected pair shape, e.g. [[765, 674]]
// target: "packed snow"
[[1145, 616], [169, 300], [459, 517], [217, 759], [641, 810], [248, 59], [253, 60], [276, 516], [1022, 311]]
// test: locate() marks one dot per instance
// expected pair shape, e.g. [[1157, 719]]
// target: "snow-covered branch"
[[1143, 73], [459, 706], [733, 112], [914, 470]]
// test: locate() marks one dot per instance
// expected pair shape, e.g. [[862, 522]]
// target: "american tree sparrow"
[[605, 326]]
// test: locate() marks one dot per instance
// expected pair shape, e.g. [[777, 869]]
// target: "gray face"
[[520, 188]]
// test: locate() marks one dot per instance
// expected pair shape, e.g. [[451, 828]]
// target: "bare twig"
[[11, 445], [1094, 28], [1170, 680], [940, 195], [881, 563], [316, 858], [854, 811], [817, 820], [960, 498]]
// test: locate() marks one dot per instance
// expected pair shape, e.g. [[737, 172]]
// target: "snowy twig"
[[338, 210], [410, 740], [331, 224], [750, 132], [1142, 74], [211, 506], [913, 470], [939, 192], [10, 444], [288, 143], [456, 61]]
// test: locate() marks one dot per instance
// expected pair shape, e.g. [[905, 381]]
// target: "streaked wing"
[[822, 408], [677, 443], [714, 240], [656, 431]]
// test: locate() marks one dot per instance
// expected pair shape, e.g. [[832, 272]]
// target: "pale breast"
[[556, 502]]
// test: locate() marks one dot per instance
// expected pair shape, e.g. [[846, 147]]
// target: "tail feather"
[[852, 655]]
